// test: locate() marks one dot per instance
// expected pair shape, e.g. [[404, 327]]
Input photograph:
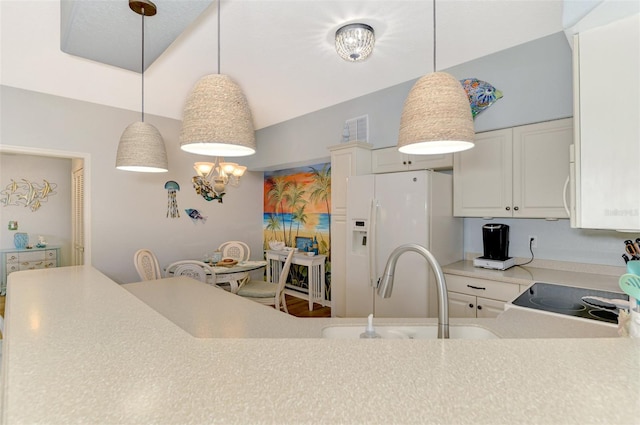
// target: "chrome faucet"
[[386, 282]]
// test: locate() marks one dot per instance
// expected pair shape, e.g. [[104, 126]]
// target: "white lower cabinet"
[[473, 297], [463, 305]]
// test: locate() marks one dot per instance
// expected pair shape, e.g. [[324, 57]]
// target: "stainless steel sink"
[[409, 332]]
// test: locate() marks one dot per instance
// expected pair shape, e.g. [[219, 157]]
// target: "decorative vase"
[[20, 240], [216, 257]]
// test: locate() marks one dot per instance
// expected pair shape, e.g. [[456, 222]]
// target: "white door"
[[483, 177], [358, 289], [461, 305], [402, 218], [77, 217], [489, 308], [541, 168]]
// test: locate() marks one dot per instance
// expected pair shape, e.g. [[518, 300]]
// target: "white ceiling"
[[280, 51]]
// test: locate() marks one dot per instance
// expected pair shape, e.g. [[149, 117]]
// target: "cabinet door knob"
[[404, 162], [516, 208], [409, 162], [470, 305], [479, 307], [508, 208]]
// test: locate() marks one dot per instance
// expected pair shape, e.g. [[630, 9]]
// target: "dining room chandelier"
[[213, 177], [216, 119], [141, 147], [436, 117]]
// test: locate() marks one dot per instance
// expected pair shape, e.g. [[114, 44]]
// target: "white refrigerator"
[[385, 211]]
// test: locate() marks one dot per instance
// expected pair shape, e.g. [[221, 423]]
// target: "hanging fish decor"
[[172, 203], [204, 189], [195, 215], [480, 93]]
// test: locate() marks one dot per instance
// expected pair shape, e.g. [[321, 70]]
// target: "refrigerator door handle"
[[373, 266]]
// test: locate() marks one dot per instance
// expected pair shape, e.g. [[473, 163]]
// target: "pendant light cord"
[[434, 36], [142, 72], [219, 1]]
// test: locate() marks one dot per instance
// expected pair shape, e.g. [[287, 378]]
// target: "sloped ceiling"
[[280, 51]]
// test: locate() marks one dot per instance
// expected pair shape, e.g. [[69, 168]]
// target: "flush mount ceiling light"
[[217, 120], [436, 117], [354, 42], [141, 146]]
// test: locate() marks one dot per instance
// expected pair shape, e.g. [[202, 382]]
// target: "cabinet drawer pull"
[[476, 287]]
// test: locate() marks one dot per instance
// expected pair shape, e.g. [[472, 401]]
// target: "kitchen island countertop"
[[80, 348]]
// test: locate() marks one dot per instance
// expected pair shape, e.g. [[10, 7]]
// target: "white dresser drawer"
[[13, 258], [32, 265], [13, 267], [32, 256], [482, 288]]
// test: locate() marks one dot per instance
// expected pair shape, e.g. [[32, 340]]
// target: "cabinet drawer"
[[31, 256], [32, 265], [13, 267], [12, 258], [482, 288]]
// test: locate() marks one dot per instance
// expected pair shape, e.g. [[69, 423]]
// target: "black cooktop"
[[567, 300]]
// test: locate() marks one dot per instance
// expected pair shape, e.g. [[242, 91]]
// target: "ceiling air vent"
[[356, 129]]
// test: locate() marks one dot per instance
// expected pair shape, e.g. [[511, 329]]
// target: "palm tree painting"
[[297, 211]]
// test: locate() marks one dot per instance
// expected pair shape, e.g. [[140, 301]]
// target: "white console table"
[[316, 274], [13, 260]]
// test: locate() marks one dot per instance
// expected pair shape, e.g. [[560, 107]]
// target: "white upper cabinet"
[[347, 159], [517, 172], [390, 160], [607, 110]]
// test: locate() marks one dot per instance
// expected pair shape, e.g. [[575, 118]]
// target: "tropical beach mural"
[[297, 211]]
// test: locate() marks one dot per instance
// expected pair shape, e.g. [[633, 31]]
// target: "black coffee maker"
[[495, 241]]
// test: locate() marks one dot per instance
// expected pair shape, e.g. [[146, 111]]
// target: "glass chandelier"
[[213, 177], [354, 42]]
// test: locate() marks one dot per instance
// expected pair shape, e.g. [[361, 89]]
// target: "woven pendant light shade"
[[141, 148], [217, 120], [436, 117]]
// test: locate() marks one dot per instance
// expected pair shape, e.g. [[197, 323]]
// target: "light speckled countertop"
[[572, 274], [80, 348]]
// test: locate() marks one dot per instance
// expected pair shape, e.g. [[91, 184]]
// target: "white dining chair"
[[193, 269], [147, 265], [269, 293], [235, 249]]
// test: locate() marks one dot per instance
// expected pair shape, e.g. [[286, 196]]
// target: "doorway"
[[80, 215]]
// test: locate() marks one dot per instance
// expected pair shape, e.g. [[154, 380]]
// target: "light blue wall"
[[536, 79]]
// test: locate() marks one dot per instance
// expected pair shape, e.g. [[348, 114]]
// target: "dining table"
[[236, 274]]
